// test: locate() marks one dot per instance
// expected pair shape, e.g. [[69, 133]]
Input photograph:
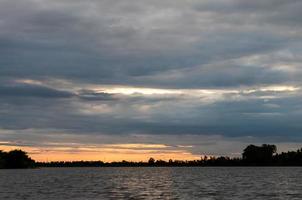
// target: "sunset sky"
[[119, 80]]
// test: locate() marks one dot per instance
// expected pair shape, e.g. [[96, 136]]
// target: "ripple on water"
[[151, 183]]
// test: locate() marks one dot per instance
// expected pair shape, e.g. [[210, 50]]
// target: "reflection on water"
[[151, 183]]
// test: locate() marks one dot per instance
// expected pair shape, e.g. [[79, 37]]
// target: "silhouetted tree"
[[291, 158], [2, 159], [151, 161], [18, 159], [259, 155]]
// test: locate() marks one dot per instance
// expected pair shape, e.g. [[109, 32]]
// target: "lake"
[[152, 183]]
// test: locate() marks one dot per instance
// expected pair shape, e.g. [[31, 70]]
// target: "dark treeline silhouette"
[[15, 159], [252, 155]]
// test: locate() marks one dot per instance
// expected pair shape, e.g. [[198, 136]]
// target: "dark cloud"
[[29, 90], [96, 96], [99, 113], [116, 46], [75, 49], [235, 6]]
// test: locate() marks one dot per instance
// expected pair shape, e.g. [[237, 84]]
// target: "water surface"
[[152, 183]]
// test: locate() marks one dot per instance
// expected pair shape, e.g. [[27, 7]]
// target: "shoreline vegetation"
[[252, 155]]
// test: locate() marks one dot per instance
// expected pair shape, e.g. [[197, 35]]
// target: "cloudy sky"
[[129, 79]]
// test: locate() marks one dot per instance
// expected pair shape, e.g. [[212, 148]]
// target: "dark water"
[[151, 183]]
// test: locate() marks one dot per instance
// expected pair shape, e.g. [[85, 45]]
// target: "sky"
[[132, 79]]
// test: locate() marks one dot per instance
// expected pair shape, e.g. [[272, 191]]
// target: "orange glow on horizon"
[[108, 153]]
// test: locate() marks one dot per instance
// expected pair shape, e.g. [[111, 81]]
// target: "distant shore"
[[252, 155]]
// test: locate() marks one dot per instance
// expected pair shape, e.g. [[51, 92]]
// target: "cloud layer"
[[227, 68]]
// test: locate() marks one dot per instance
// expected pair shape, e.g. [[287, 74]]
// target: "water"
[[151, 183]]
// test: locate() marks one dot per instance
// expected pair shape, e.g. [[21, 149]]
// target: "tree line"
[[252, 155]]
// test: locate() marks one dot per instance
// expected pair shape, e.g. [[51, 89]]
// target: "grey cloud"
[[112, 45], [269, 13], [96, 96], [29, 90], [246, 116], [220, 75], [245, 6], [163, 44]]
